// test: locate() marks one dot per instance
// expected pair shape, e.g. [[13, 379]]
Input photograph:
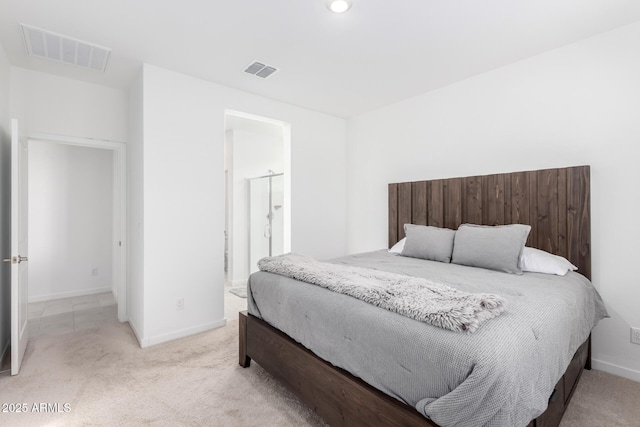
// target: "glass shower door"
[[266, 227]]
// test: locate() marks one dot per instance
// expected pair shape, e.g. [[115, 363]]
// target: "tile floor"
[[61, 316]]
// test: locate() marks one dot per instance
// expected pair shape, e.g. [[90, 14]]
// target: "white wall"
[[183, 212], [5, 206], [253, 155], [135, 205], [70, 220], [576, 105], [56, 105]]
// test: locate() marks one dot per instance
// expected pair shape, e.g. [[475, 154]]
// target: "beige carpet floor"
[[109, 381]]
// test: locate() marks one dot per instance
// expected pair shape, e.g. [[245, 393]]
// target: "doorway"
[[257, 199], [78, 230]]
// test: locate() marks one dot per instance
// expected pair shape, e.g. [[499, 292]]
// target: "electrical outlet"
[[180, 304], [635, 335], [94, 271]]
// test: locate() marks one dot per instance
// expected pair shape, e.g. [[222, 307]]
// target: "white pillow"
[[537, 261], [398, 247]]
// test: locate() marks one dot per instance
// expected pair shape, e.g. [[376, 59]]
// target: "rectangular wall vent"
[[58, 48], [259, 69]]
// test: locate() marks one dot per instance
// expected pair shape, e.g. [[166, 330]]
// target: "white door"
[[19, 293]]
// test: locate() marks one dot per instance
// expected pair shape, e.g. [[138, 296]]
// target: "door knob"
[[16, 259]]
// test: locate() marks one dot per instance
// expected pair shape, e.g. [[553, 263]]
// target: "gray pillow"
[[494, 247], [428, 242]]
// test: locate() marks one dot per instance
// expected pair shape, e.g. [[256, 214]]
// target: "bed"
[[555, 202]]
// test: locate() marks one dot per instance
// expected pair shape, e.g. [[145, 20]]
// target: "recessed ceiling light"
[[339, 6]]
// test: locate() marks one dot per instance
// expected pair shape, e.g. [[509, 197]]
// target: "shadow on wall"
[[5, 248]]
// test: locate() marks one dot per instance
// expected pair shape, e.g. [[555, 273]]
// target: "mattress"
[[500, 375]]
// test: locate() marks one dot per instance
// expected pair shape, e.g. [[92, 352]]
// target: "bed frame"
[[555, 202]]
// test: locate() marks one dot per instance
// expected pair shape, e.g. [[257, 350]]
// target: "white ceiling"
[[378, 53]]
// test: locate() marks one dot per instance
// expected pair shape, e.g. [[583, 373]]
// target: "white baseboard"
[[70, 294], [159, 339], [620, 371]]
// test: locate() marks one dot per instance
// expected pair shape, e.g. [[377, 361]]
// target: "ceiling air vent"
[[67, 50], [258, 69]]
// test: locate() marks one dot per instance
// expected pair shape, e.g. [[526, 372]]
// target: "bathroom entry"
[[257, 201]]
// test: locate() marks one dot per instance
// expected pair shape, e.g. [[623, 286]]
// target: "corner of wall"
[[135, 204]]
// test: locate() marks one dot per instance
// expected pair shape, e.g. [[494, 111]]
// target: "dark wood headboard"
[[555, 202]]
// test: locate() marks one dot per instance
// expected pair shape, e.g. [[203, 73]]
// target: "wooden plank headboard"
[[555, 202]]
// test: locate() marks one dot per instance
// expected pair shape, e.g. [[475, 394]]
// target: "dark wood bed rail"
[[342, 399], [555, 202]]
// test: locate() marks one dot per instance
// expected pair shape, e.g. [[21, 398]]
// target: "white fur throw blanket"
[[434, 303]]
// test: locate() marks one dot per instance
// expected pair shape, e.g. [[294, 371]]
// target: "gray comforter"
[[502, 375]]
